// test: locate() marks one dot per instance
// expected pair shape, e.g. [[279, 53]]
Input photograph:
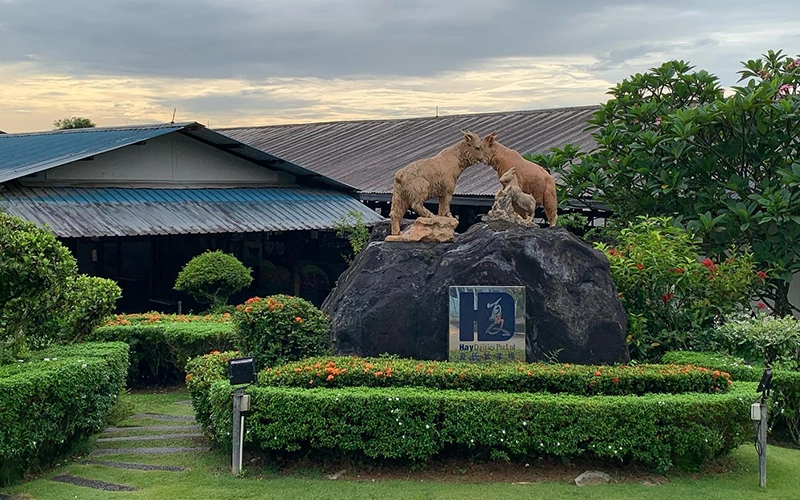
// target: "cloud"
[[269, 61]]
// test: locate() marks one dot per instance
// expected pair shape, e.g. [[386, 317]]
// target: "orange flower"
[[248, 309], [214, 352], [615, 380], [297, 370], [311, 381], [330, 377], [378, 374], [597, 373], [188, 377], [298, 320]]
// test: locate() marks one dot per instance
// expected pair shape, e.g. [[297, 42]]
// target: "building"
[[136, 203], [366, 154]]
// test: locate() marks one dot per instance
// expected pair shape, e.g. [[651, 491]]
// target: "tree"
[[669, 143], [212, 277], [73, 122]]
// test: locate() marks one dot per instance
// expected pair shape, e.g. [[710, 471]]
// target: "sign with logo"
[[487, 323]]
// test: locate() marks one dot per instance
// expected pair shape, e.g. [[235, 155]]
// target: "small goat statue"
[[523, 204], [433, 178]]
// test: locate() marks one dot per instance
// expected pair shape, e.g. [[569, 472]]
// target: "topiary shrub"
[[279, 329], [35, 270], [93, 300], [43, 299], [668, 290], [212, 277]]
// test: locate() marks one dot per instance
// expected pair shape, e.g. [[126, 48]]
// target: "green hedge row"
[[520, 377], [784, 410], [159, 351], [54, 399], [658, 431]]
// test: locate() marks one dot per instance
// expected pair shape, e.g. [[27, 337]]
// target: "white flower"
[[83, 365], [47, 359], [427, 426]]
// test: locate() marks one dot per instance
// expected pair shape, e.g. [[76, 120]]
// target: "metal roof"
[[366, 154], [91, 212], [25, 154]]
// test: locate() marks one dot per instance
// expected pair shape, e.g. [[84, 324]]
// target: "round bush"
[[212, 277], [279, 329], [35, 270]]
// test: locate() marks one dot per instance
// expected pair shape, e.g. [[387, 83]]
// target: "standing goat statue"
[[533, 179], [433, 178]]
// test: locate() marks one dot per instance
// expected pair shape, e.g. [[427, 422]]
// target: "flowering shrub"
[[760, 338], [212, 277], [280, 328], [668, 290], [657, 431], [335, 372], [160, 345], [54, 399]]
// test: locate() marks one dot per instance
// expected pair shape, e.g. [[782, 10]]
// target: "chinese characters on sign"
[[487, 324]]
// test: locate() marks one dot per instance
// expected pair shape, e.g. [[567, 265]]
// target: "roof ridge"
[[420, 118], [99, 129]]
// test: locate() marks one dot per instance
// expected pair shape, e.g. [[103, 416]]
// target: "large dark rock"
[[394, 297]]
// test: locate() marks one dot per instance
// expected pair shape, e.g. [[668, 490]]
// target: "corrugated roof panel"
[[23, 154], [89, 212], [366, 154]]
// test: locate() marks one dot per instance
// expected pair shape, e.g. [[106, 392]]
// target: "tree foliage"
[[73, 122], [212, 277], [670, 143]]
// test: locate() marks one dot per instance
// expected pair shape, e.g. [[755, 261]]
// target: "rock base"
[[428, 230]]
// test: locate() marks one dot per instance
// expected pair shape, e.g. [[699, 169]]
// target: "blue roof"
[[93, 212], [25, 154]]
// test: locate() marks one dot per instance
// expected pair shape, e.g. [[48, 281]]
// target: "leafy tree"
[[73, 122], [670, 143], [212, 277]]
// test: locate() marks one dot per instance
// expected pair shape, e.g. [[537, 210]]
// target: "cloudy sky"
[[262, 62]]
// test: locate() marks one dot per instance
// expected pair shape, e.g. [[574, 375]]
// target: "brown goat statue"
[[433, 177], [533, 179]]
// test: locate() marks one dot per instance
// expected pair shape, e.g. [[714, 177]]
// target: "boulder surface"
[[394, 297]]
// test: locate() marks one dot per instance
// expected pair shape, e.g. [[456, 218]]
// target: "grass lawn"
[[208, 475]]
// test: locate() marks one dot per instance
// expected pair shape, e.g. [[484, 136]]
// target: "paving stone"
[[184, 402], [91, 483], [129, 465], [145, 451], [158, 416], [4, 496], [148, 438], [111, 430]]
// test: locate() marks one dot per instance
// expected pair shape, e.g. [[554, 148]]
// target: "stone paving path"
[[139, 433]]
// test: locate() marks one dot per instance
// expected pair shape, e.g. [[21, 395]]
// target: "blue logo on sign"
[[494, 316]]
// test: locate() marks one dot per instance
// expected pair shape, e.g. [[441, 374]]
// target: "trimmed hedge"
[[519, 377], [738, 368], [160, 349], [54, 399], [202, 371], [658, 431], [784, 408]]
